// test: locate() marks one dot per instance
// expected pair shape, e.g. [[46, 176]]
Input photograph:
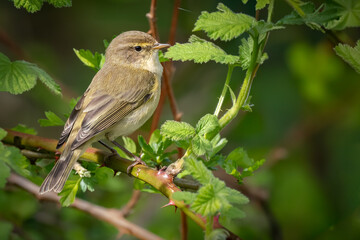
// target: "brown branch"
[[126, 210], [111, 216], [152, 20]]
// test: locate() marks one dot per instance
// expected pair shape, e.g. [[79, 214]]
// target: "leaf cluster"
[[35, 5]]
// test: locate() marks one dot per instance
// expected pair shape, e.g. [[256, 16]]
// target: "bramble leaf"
[[200, 145], [349, 54], [200, 52], [208, 202], [206, 124], [52, 120], [223, 24], [20, 76], [24, 129], [30, 5], [260, 4], [95, 61], [177, 130], [69, 191], [129, 144], [187, 197], [4, 173], [348, 12]]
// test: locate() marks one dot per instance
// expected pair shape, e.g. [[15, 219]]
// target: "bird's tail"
[[57, 177]]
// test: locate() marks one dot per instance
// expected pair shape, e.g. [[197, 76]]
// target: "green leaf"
[[177, 130], [217, 234], [69, 191], [207, 124], [208, 202], [14, 159], [95, 61], [187, 197], [145, 147], [4, 173], [129, 144], [349, 54], [224, 24], [20, 76], [162, 57], [245, 50], [52, 120], [30, 5], [310, 16], [198, 170], [87, 184], [24, 129], [200, 52], [60, 3], [260, 4], [236, 197], [348, 13], [155, 137], [3, 133], [200, 145], [239, 158], [102, 174]]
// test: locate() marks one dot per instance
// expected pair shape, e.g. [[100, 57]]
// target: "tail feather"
[[57, 177]]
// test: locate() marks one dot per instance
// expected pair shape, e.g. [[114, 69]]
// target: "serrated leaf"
[[236, 197], [207, 124], [200, 145], [311, 16], [239, 158], [347, 12], [52, 120], [217, 234], [177, 130], [145, 147], [349, 54], [24, 129], [198, 170], [200, 52], [208, 201], [129, 144], [69, 191], [30, 5], [20, 76], [245, 50], [60, 3], [187, 197], [260, 4], [223, 24], [95, 61], [218, 145], [4, 173], [14, 159]]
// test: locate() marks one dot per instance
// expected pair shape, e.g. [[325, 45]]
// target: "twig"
[[126, 210], [108, 215], [152, 20]]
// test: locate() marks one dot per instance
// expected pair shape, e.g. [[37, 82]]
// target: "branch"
[[108, 215]]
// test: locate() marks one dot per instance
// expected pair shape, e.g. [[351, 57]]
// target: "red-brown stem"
[[184, 226], [152, 20]]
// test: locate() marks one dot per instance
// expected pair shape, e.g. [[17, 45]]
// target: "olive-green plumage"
[[120, 98]]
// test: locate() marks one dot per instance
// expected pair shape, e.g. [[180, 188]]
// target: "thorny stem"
[[224, 91]]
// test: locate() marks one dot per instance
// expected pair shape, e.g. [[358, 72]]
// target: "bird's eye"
[[138, 48]]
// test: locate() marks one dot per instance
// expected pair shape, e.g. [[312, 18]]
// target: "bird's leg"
[[137, 159], [108, 147]]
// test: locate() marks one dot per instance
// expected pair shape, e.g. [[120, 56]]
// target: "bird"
[[121, 97]]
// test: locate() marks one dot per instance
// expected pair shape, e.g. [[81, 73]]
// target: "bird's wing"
[[104, 110], [70, 122]]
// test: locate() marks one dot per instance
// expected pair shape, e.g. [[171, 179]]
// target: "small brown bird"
[[121, 97]]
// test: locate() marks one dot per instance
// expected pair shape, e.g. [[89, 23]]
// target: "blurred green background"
[[305, 121]]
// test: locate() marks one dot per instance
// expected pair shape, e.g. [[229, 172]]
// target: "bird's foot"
[[136, 162]]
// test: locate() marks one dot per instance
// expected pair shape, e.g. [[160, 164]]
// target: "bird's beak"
[[160, 45]]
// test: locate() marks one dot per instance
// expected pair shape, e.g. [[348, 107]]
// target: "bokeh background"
[[305, 121]]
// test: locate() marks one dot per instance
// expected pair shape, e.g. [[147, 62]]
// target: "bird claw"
[[136, 162]]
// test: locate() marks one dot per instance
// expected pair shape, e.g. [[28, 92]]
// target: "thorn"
[[171, 203]]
